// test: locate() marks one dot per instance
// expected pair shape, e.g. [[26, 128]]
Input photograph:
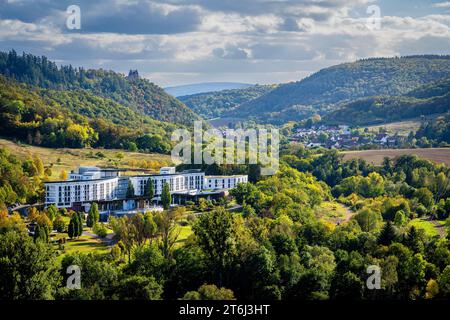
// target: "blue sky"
[[175, 42]]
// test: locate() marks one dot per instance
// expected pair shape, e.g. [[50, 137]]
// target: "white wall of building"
[[224, 182], [65, 193]]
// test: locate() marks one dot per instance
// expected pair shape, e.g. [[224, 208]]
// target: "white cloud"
[[267, 41], [442, 4]]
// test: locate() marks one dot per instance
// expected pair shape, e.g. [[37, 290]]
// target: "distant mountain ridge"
[[324, 91], [204, 87], [131, 91], [213, 104]]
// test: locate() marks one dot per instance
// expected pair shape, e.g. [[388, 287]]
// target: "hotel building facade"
[[109, 188]]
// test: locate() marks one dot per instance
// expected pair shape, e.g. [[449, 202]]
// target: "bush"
[[59, 224], [100, 230], [421, 210]]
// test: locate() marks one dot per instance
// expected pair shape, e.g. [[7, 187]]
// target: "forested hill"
[[433, 98], [131, 91], [324, 90], [214, 104], [76, 119]]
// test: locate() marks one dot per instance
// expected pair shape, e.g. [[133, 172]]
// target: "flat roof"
[[232, 176], [165, 174], [125, 177], [88, 180], [200, 192]]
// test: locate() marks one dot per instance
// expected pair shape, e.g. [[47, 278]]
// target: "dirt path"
[[349, 213], [108, 240], [440, 228]]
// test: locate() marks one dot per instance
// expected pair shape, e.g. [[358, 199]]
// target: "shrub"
[[100, 230]]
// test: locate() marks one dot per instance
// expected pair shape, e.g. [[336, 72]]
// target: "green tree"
[[43, 228], [59, 224], [209, 292], [75, 228], [40, 234], [79, 224], [98, 279], [148, 261], [166, 197], [215, 233], [368, 219], [168, 229], [444, 283], [130, 190], [202, 204], [425, 197], [139, 288], [93, 215], [150, 227], [28, 269], [347, 286], [400, 218], [71, 229], [432, 289], [52, 212], [132, 147], [100, 230], [39, 165], [149, 190], [125, 233], [387, 235], [415, 239]]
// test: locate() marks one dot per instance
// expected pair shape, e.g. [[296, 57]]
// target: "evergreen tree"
[[388, 234], [254, 172], [414, 240], [93, 215], [71, 229], [149, 190], [37, 233], [130, 190], [80, 224], [52, 212], [166, 197], [77, 225]]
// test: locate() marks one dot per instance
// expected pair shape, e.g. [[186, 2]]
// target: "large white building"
[[107, 186]]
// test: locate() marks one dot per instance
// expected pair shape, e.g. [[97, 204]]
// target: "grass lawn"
[[185, 232], [84, 244], [428, 226], [441, 222], [68, 159], [332, 212]]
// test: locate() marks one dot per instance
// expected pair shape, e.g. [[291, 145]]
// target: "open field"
[[403, 128], [68, 159], [430, 228], [437, 155], [185, 232], [86, 244], [333, 212]]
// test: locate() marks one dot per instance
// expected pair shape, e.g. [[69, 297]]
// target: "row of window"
[[68, 194], [175, 184]]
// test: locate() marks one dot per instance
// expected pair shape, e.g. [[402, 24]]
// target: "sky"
[[174, 42]]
